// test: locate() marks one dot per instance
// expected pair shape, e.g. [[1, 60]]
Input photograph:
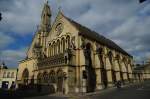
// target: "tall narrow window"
[[63, 45], [8, 75], [68, 41], [12, 75], [58, 45], [4, 75]]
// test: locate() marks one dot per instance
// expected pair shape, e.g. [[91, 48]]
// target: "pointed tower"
[[45, 24]]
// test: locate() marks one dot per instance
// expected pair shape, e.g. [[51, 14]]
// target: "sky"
[[126, 22]]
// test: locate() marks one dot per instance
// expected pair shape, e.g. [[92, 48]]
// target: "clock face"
[[59, 28]]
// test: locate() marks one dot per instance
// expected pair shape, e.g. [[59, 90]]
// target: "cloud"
[[5, 40], [102, 15], [133, 35], [124, 21], [12, 57], [21, 17]]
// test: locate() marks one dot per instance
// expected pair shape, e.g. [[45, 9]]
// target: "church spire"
[[46, 18]]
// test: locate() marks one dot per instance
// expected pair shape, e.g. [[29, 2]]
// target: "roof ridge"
[[85, 31]]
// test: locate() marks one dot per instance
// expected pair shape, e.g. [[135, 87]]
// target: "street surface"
[[137, 91], [141, 91]]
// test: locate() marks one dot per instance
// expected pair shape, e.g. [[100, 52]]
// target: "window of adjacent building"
[[4, 75], [12, 75], [8, 75]]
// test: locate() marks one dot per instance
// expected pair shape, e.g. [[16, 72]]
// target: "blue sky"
[[126, 22]]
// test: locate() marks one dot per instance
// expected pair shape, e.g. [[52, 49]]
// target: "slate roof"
[[86, 32]]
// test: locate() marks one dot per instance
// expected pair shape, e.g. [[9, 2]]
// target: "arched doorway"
[[25, 76], [39, 78], [52, 81], [91, 75], [60, 80], [45, 78]]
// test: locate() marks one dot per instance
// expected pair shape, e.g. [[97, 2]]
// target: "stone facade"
[[141, 72], [7, 77], [71, 58]]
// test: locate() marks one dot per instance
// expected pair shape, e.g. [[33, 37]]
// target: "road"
[[139, 91]]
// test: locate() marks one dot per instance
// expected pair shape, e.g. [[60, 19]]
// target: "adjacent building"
[[68, 57], [7, 77], [141, 72]]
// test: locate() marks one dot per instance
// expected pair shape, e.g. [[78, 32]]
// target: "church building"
[[67, 57]]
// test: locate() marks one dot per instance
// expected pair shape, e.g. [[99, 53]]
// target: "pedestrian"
[[118, 84]]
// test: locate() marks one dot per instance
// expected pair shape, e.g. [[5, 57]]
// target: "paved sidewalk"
[[92, 93]]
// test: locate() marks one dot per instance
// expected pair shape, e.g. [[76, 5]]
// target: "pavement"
[[132, 91], [136, 91]]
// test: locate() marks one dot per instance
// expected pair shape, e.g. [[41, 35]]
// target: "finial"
[[59, 8], [46, 1], [59, 5]]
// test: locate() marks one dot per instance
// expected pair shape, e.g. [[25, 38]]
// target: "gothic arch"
[[88, 46], [8, 75], [100, 52], [59, 72], [113, 72], [12, 75], [110, 56], [39, 78], [103, 71], [53, 48], [58, 46], [25, 76], [120, 68], [52, 76], [45, 77], [91, 79], [68, 41], [4, 75], [60, 80], [49, 50], [63, 44], [125, 63]]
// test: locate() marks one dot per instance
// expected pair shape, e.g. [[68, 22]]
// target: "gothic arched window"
[[58, 46], [110, 56], [63, 45], [49, 50], [68, 41], [53, 49]]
